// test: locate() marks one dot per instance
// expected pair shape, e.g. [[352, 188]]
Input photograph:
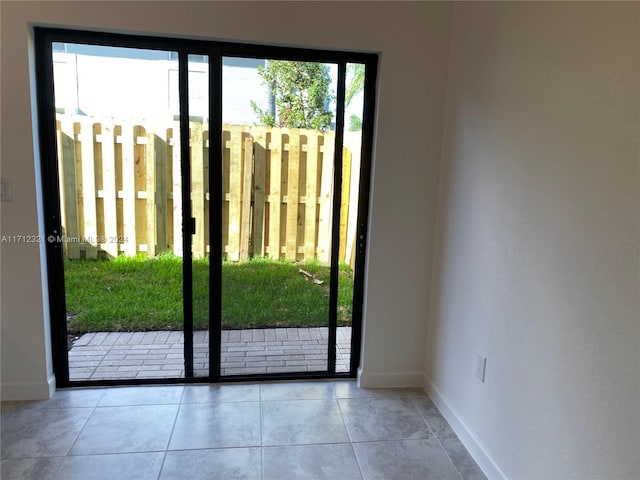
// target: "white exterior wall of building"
[[147, 89]]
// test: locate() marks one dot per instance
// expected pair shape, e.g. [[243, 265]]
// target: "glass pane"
[[278, 139], [354, 107], [199, 135], [119, 192]]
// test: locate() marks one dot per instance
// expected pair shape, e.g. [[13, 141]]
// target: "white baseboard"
[[389, 380], [468, 438], [28, 390]]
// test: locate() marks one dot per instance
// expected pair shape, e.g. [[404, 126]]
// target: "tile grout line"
[[173, 427], [437, 437], [346, 427], [93, 409], [261, 439]]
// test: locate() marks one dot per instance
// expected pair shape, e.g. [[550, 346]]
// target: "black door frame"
[[44, 38]]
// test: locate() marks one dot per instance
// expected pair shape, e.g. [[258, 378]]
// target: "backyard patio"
[[159, 354]]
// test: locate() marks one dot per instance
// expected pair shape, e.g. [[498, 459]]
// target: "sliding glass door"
[[204, 209], [119, 185], [278, 184]]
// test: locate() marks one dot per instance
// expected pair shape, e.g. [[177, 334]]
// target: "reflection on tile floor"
[[126, 355], [280, 431]]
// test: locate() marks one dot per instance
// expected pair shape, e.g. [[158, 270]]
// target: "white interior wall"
[[412, 41], [538, 246]]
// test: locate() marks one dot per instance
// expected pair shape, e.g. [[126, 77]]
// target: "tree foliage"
[[355, 84], [302, 95]]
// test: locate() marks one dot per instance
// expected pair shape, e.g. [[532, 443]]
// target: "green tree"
[[355, 123], [355, 84], [302, 95]]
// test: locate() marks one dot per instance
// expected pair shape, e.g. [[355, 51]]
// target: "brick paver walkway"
[[125, 355]]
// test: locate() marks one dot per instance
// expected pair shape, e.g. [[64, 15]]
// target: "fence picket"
[[344, 201], [247, 178], [161, 192], [326, 195], [67, 165], [275, 193], [129, 242], [235, 190], [311, 194], [205, 177], [156, 175], [150, 184], [77, 154], [259, 187], [176, 188], [197, 188], [140, 174], [293, 180], [109, 194], [90, 222]]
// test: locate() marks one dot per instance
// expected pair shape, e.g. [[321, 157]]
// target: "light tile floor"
[[270, 431], [125, 355]]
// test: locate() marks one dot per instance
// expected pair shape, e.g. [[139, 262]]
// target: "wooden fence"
[[120, 190]]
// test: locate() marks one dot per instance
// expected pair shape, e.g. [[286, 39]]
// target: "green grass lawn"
[[138, 294]]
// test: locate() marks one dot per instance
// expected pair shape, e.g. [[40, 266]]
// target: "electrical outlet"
[[481, 367]]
